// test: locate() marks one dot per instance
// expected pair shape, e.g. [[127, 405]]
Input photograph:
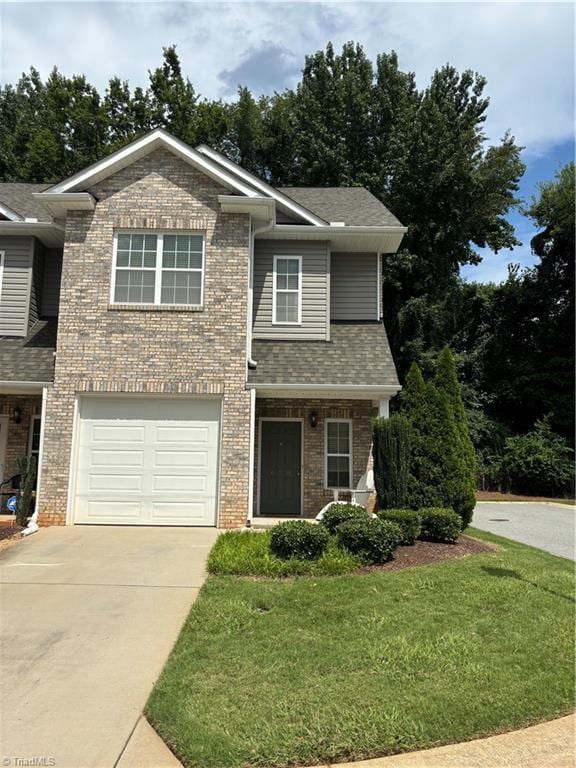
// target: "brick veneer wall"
[[18, 434], [360, 411], [130, 350]]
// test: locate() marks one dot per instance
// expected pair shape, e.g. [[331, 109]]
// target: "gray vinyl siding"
[[36, 284], [353, 286], [16, 282], [314, 289], [51, 284]]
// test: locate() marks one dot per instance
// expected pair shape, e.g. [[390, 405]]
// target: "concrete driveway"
[[546, 526], [88, 618]]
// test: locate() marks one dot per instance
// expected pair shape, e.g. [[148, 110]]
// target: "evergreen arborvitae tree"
[[391, 454], [439, 474], [446, 380]]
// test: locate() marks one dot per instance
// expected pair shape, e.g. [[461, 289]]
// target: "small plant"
[[27, 468], [372, 540], [298, 538], [440, 524], [407, 519], [338, 513]]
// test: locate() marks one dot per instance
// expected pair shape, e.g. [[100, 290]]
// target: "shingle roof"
[[30, 358], [18, 197], [358, 354], [352, 205]]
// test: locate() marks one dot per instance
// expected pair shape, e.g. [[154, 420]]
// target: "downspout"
[[253, 232], [32, 526], [251, 364]]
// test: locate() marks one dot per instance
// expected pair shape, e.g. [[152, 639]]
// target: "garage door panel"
[[177, 483], [187, 459], [124, 511], [177, 512], [117, 433], [182, 434], [104, 457], [120, 482], [143, 461]]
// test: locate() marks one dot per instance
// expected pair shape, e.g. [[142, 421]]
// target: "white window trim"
[[350, 452], [35, 417], [2, 258], [274, 290], [158, 269]]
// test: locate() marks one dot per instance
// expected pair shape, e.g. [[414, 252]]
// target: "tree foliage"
[[442, 466], [391, 453], [420, 150]]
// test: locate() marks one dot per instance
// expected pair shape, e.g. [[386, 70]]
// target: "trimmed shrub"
[[407, 519], [298, 538], [338, 513], [440, 524], [372, 540], [391, 452]]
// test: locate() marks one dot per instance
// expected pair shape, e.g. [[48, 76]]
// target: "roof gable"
[[154, 140]]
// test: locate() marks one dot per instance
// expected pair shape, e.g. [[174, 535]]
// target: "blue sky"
[[525, 49]]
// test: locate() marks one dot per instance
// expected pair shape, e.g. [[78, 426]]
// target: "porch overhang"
[[374, 392], [23, 387]]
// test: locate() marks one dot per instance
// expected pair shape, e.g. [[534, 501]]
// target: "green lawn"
[[320, 669]]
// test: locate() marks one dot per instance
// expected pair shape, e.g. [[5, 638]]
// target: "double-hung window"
[[287, 290], [160, 268], [338, 454]]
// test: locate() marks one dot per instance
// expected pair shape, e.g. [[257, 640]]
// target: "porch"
[[304, 450], [20, 427]]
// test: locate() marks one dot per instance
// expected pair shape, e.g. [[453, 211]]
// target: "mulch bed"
[[426, 552], [9, 533]]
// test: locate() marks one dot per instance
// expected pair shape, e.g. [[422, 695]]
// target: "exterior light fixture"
[[313, 419], [17, 415]]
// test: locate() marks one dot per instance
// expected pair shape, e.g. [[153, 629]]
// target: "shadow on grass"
[[507, 573]]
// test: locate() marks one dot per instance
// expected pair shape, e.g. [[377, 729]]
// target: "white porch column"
[[384, 408], [251, 449]]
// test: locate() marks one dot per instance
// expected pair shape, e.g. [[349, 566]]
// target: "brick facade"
[[18, 434], [106, 349], [360, 411]]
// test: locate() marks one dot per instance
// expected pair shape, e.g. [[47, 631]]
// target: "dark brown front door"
[[280, 462]]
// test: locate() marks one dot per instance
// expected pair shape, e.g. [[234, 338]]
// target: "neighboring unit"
[[183, 344]]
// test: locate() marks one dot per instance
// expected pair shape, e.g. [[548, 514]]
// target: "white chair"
[[360, 494]]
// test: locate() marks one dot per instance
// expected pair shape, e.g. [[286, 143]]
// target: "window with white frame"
[[338, 454], [287, 294], [160, 268], [34, 439]]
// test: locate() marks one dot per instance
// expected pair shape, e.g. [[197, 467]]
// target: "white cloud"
[[525, 49]]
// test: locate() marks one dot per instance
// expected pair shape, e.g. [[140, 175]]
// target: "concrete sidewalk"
[[548, 745], [88, 617]]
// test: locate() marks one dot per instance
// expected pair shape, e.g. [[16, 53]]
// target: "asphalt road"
[[546, 526]]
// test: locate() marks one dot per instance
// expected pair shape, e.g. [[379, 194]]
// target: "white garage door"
[[147, 461]]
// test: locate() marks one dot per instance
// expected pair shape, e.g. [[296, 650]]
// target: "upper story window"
[[287, 290], [158, 268]]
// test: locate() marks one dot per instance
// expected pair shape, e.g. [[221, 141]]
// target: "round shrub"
[[440, 524], [298, 538], [372, 540], [338, 513], [407, 519]]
